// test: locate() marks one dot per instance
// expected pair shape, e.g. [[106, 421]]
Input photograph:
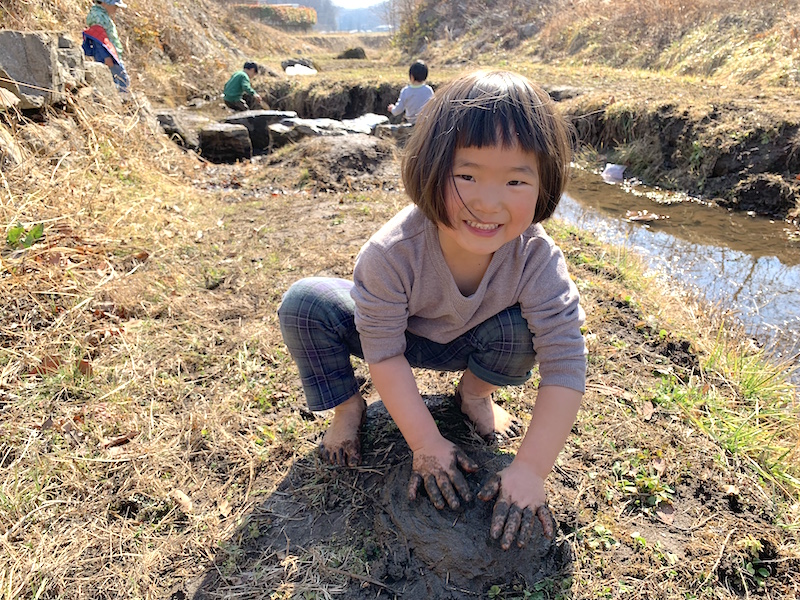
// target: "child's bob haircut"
[[486, 108]]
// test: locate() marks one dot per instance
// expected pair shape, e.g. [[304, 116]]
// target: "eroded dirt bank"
[[713, 142]]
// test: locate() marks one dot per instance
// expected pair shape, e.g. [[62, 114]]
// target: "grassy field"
[[149, 407], [152, 424]]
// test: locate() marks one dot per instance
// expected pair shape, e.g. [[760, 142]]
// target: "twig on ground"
[[719, 558]]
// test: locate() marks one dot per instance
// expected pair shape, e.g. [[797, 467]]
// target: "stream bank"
[[739, 154], [745, 266]]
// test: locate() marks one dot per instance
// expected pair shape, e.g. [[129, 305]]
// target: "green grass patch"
[[752, 415]]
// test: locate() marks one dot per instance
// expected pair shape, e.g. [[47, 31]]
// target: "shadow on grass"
[[328, 531]]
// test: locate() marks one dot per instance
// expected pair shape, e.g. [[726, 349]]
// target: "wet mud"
[[413, 550]]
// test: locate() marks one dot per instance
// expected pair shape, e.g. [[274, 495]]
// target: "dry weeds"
[[147, 406], [145, 468], [71, 358]]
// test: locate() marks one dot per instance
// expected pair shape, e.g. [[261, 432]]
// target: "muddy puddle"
[[749, 265]]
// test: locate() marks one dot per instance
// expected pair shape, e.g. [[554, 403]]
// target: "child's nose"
[[486, 198]]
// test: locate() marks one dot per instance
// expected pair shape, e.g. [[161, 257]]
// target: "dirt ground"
[[646, 505], [178, 459]]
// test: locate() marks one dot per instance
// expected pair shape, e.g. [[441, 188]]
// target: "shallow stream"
[[746, 264]]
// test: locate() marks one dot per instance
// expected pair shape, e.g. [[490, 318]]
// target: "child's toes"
[[348, 454], [498, 436], [515, 429]]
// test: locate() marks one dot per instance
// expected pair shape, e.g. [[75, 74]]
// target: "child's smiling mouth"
[[483, 226]]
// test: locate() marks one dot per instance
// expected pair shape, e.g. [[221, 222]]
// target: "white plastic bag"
[[613, 173]]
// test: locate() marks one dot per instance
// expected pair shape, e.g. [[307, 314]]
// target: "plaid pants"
[[318, 327]]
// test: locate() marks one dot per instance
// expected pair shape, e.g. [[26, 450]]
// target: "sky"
[[356, 3]]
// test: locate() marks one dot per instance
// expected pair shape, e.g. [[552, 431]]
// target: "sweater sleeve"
[[551, 304], [400, 106], [381, 297]]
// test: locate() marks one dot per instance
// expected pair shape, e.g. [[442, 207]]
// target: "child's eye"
[[463, 177], [516, 182]]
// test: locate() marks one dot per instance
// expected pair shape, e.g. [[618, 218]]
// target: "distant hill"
[[372, 18], [735, 41], [331, 17]]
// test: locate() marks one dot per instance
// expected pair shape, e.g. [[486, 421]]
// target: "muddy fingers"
[[440, 471], [499, 515], [526, 528], [547, 520], [513, 521]]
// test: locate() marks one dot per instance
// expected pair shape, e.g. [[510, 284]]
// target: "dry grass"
[[151, 471], [143, 385], [147, 405], [78, 380], [728, 41], [174, 50]]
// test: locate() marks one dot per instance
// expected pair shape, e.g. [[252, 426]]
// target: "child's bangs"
[[502, 119]]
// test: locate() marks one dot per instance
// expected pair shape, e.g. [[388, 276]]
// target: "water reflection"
[[738, 262]]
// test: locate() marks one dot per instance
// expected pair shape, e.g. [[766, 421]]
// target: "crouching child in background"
[[238, 93]]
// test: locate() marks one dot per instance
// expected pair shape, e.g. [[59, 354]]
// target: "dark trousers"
[[246, 102], [318, 327]]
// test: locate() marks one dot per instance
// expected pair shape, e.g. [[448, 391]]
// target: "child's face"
[[491, 200]]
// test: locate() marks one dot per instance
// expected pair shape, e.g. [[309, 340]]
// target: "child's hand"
[[520, 499], [437, 466]]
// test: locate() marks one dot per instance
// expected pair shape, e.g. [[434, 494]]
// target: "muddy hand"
[[510, 521], [442, 477]]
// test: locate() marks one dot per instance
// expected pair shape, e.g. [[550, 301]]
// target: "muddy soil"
[[321, 531]]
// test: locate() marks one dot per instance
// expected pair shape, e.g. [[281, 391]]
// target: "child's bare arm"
[[520, 487], [436, 460]]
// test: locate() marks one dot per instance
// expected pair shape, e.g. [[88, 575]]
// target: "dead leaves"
[[96, 337], [646, 410], [224, 507], [135, 260], [79, 428], [51, 363], [182, 501], [118, 440], [66, 427], [665, 513]]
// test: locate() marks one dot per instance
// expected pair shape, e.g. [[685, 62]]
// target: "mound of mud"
[[352, 162], [410, 549]]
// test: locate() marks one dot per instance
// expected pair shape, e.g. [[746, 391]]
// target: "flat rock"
[[224, 142]]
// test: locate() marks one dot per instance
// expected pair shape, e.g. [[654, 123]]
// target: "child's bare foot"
[[492, 422], [341, 444]]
